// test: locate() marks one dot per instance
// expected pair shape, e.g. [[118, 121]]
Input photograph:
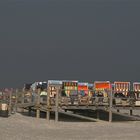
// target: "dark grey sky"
[[69, 39]]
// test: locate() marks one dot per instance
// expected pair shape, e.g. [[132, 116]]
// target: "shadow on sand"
[[100, 115]]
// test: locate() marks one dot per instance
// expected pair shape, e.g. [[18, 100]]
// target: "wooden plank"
[[24, 105]]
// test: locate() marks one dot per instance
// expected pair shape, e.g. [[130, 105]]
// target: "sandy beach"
[[21, 127]]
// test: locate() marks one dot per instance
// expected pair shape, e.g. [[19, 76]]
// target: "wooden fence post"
[[98, 115], [22, 100], [131, 112], [56, 105], [10, 103], [38, 104], [48, 105], [16, 101], [110, 106]]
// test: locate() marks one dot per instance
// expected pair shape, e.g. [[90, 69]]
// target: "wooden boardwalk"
[[58, 106]]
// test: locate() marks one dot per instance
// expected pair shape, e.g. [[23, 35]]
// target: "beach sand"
[[23, 127]]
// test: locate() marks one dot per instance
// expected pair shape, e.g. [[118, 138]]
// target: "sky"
[[86, 40]]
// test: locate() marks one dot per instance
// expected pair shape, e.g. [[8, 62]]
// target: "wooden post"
[[16, 101], [31, 96], [29, 111], [98, 115], [131, 112], [48, 105], [10, 103], [38, 104], [56, 105], [23, 92], [22, 100], [110, 106]]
